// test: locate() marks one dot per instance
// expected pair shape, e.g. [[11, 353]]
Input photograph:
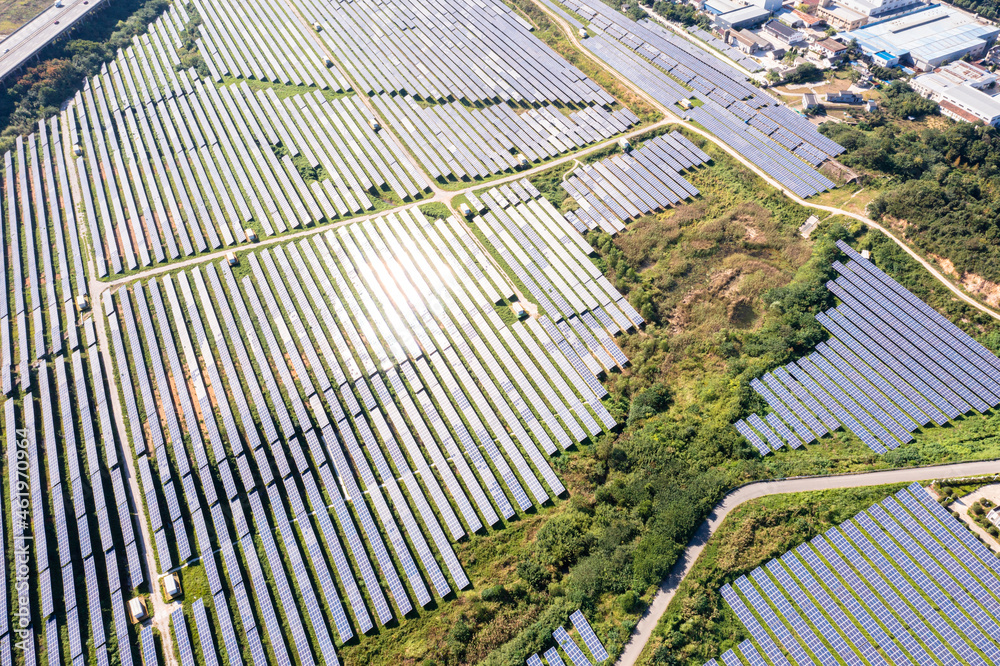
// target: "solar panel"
[[570, 648], [203, 627], [148, 641], [552, 657]]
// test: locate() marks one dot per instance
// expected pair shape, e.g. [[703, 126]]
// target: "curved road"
[[670, 115], [644, 629]]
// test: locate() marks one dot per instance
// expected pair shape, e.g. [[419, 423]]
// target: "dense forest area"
[[940, 185]]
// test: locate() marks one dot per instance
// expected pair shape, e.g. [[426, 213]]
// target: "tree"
[[830, 31], [805, 72], [649, 402]]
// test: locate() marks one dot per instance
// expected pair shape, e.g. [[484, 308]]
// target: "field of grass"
[[698, 625]]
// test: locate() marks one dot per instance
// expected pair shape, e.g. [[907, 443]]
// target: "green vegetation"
[[988, 8], [698, 625], [282, 90], [962, 486], [944, 191], [729, 289], [62, 66], [977, 512], [901, 101], [549, 184], [805, 73], [188, 51], [435, 210], [633, 10], [887, 73], [681, 13]]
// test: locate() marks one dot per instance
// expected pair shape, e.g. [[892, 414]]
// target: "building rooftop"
[[748, 13], [721, 6], [975, 101], [832, 45], [845, 14], [808, 19], [967, 72], [928, 35], [781, 30], [961, 113]]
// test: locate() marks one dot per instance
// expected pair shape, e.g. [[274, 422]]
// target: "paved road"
[[36, 34], [643, 630]]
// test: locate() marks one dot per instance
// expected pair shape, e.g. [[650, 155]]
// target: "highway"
[[19, 47]]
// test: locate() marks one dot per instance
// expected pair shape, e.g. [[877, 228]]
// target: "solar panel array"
[[455, 141], [173, 166], [83, 547], [670, 68], [265, 41], [451, 50], [903, 582], [622, 187], [410, 409], [570, 648], [892, 365]]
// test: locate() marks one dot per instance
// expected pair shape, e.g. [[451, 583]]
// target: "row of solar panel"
[[212, 143], [413, 315], [625, 186], [30, 201], [479, 52], [893, 365], [569, 646], [714, 79], [904, 581], [265, 41], [453, 141], [779, 147], [33, 233], [734, 54]]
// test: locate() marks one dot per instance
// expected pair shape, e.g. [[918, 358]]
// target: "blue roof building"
[[930, 37]]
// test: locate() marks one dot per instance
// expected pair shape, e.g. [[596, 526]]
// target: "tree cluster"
[[945, 187]]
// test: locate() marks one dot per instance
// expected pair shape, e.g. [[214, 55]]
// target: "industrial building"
[[783, 34], [733, 16], [957, 88], [881, 9], [928, 38]]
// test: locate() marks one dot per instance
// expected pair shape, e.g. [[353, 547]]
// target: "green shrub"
[[649, 402], [459, 636], [533, 573], [627, 601], [564, 539], [494, 593]]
